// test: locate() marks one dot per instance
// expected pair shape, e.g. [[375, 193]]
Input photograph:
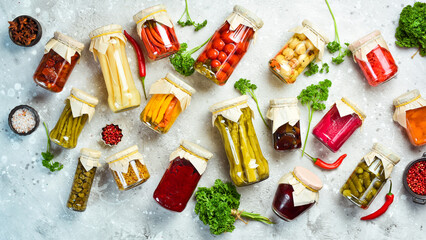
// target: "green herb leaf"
[[47, 160], [182, 60], [335, 45], [189, 21], [312, 68], [325, 68]]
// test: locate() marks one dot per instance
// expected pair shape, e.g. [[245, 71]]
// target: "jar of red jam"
[[297, 191], [374, 58], [61, 54], [178, 183], [338, 124], [228, 45]]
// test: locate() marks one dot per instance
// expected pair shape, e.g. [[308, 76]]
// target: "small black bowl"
[[417, 198], [32, 110], [38, 36]]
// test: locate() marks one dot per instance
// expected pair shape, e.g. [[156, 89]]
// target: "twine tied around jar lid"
[[64, 46], [157, 13], [230, 109], [89, 158], [241, 15], [120, 161], [194, 153], [102, 37], [388, 158], [405, 102], [361, 47], [346, 107], [82, 103], [282, 111]]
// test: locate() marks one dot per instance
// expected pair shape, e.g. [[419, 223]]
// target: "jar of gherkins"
[[79, 107], [233, 120], [369, 176], [83, 179]]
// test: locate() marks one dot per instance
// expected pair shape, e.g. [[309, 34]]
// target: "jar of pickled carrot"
[[169, 97], [374, 58], [228, 45], [410, 113], [61, 54], [157, 32]]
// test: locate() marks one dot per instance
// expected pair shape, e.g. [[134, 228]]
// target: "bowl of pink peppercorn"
[[414, 179]]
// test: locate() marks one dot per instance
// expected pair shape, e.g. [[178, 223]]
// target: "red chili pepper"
[[389, 199], [320, 163]]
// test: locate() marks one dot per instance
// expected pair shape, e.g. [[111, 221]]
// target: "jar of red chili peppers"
[[61, 54], [228, 45], [157, 32], [414, 179], [374, 58]]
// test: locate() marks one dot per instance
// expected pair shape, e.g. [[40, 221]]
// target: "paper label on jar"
[[301, 195], [232, 113], [101, 43], [400, 112], [122, 164], [344, 109], [313, 36], [163, 86], [61, 49], [79, 108], [387, 164], [160, 16], [89, 162], [198, 163], [361, 52], [282, 114]]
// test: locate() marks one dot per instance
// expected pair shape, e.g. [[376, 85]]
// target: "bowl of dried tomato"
[[414, 179], [25, 31]]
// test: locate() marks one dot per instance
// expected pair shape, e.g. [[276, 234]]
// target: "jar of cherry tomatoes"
[[338, 124], [61, 54], [178, 183], [374, 58], [157, 32], [410, 113], [228, 45]]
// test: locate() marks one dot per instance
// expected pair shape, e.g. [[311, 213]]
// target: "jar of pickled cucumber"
[[128, 168], [169, 97], [79, 107], [233, 119], [306, 45], [369, 176], [83, 179]]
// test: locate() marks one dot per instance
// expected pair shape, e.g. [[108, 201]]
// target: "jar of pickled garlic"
[[233, 120], [228, 45], [338, 124], [306, 45], [374, 58], [83, 179], [285, 116], [108, 46], [369, 176], [128, 168], [169, 97], [157, 32], [79, 107], [297, 191], [187, 164], [61, 54], [410, 113]]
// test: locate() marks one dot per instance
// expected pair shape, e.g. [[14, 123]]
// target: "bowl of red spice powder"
[[25, 31], [414, 179]]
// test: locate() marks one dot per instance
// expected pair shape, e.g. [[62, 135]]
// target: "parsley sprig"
[[335, 45], [48, 156], [182, 60], [189, 21], [313, 68]]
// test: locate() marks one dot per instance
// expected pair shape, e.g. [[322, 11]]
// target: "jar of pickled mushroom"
[[187, 164], [233, 120], [374, 58], [79, 107], [285, 117], [169, 97], [83, 179], [128, 168], [61, 54], [369, 176], [410, 113], [338, 124], [297, 191], [228, 45], [108, 46], [157, 32]]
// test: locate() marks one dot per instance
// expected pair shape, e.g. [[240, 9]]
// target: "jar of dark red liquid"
[[374, 58], [228, 45], [414, 179], [338, 124], [61, 54], [187, 164], [297, 192]]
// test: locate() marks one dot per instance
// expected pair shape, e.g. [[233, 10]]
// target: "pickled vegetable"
[[287, 137], [81, 187], [137, 174], [161, 112]]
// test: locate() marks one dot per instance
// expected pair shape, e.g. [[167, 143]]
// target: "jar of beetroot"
[[414, 179]]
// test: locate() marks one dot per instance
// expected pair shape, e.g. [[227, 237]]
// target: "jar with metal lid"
[[187, 164], [228, 45], [369, 176], [83, 179], [61, 54], [108, 46], [233, 120], [170, 96], [374, 58], [79, 107], [338, 124], [414, 179], [306, 45]]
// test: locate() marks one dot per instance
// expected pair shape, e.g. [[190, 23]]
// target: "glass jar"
[[338, 124], [128, 168], [297, 191], [374, 58], [79, 107], [306, 45], [369, 176], [83, 179], [228, 45], [157, 32], [233, 120], [108, 46], [178, 183], [170, 96]]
